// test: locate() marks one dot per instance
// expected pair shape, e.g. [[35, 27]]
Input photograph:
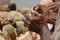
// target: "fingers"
[[36, 14], [34, 27], [26, 21], [33, 15], [29, 17], [37, 7], [32, 20]]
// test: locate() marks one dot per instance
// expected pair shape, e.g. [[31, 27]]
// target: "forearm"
[[44, 32]]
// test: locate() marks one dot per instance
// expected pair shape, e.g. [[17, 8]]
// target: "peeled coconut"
[[9, 31], [24, 10], [17, 16], [20, 27]]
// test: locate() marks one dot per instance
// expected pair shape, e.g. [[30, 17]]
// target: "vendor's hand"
[[33, 20]]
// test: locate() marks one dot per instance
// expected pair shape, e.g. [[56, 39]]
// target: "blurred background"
[[26, 3]]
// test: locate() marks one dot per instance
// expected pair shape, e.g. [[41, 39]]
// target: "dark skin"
[[37, 23], [53, 11], [50, 11]]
